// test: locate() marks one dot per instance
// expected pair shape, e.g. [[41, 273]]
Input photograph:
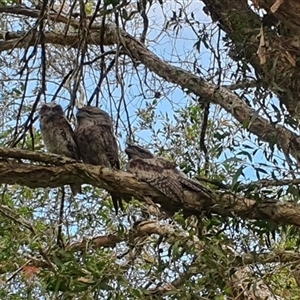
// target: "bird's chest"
[[56, 140]]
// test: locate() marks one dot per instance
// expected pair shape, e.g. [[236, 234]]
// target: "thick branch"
[[170, 232], [35, 13], [281, 51], [241, 24], [273, 134], [22, 40], [50, 158], [12, 172]]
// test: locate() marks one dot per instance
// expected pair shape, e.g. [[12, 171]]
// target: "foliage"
[[52, 243]]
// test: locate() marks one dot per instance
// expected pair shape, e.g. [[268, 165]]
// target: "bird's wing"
[[65, 134], [59, 139], [181, 177], [166, 164], [97, 146], [93, 143], [90, 145], [110, 146], [194, 185], [146, 170]]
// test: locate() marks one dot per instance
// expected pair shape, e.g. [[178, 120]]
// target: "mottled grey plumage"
[[160, 173], [97, 143], [58, 135]]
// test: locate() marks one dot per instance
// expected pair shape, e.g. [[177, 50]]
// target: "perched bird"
[[96, 142], [160, 173], [58, 135]]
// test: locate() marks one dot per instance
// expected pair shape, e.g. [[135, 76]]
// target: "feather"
[[58, 135], [161, 173], [97, 143]]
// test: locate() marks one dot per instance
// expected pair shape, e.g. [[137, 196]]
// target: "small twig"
[[60, 241]]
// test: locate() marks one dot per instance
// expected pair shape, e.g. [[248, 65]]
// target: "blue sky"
[[169, 47], [178, 50]]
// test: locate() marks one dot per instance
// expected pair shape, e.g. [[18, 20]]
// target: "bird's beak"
[[128, 150], [80, 114]]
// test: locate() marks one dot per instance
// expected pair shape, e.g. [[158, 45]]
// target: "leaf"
[[88, 7], [176, 249], [57, 261], [85, 280], [247, 146], [124, 14], [258, 171], [220, 136], [246, 154], [261, 170], [236, 176], [30, 271], [197, 45], [104, 286], [112, 2]]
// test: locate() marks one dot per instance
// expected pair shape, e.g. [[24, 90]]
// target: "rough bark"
[[34, 176], [235, 18], [285, 139], [281, 51], [242, 25], [38, 176]]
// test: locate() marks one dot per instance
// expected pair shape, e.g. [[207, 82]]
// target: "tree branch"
[[270, 183], [242, 25], [49, 158], [228, 100], [34, 176], [285, 139], [35, 13]]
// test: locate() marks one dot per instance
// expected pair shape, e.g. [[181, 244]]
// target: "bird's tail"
[[194, 185], [76, 189], [117, 202]]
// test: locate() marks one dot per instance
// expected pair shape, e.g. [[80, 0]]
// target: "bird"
[[161, 173], [96, 142], [58, 135]]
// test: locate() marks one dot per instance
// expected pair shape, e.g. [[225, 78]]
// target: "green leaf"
[[246, 154], [236, 176]]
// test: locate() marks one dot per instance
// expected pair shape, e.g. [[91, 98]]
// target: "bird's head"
[[96, 114], [136, 151], [48, 110]]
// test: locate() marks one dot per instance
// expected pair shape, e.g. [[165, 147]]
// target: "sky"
[[176, 47], [171, 47]]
